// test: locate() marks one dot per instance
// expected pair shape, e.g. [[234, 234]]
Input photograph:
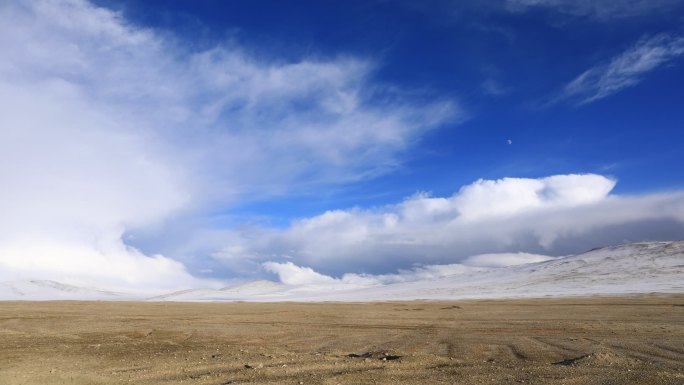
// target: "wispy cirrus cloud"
[[595, 9], [108, 128], [624, 70]]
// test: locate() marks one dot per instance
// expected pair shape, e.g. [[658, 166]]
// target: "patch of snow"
[[638, 268]]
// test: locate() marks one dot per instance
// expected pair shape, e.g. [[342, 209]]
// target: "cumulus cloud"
[[624, 70], [114, 266], [552, 216], [108, 128]]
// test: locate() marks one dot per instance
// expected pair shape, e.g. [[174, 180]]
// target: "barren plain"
[[620, 340]]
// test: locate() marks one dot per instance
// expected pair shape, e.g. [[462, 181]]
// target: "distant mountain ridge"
[[636, 268]]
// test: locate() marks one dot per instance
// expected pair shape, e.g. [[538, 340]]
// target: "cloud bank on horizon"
[[110, 129], [477, 226]]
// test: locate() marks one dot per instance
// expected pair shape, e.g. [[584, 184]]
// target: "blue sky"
[[223, 138], [507, 68]]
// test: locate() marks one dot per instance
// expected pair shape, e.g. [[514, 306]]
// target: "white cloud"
[[510, 196], [109, 265], [554, 216], [596, 9], [107, 128], [626, 69]]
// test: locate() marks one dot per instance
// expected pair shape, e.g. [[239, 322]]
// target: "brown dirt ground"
[[626, 340]]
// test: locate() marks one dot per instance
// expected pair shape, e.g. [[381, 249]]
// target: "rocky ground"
[[625, 340]]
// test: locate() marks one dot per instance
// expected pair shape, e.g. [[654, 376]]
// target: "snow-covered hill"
[[243, 292], [39, 290], [627, 269], [653, 267]]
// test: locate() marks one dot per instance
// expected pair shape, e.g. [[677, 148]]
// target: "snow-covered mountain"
[[626, 269], [652, 267]]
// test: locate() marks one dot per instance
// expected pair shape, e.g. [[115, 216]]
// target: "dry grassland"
[[627, 340]]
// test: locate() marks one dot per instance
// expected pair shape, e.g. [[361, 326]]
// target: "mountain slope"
[[653, 267], [626, 269], [650, 267]]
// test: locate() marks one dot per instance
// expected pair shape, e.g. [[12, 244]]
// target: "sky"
[[172, 144]]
